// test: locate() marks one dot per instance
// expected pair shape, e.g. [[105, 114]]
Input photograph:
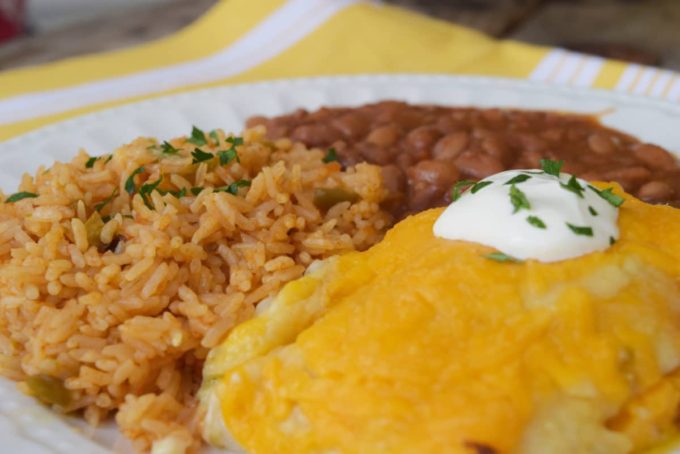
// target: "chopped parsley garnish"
[[196, 190], [480, 185], [609, 196], [522, 177], [213, 135], [592, 211], [580, 230], [90, 162], [179, 194], [518, 199], [107, 200], [331, 155], [573, 186], [551, 167], [200, 156], [458, 188], [166, 148], [197, 137], [235, 141], [226, 156], [536, 222], [147, 189], [233, 187], [612, 240], [501, 257], [20, 196], [130, 187]]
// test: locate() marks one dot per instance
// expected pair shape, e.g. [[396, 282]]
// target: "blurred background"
[[641, 31]]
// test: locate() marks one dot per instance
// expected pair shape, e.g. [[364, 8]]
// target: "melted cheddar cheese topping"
[[422, 344]]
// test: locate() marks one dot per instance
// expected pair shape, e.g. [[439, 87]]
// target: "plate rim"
[[620, 97]]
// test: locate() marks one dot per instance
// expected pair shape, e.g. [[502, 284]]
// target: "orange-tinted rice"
[[116, 317]]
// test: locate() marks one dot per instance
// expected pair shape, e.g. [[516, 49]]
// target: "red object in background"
[[12, 15]]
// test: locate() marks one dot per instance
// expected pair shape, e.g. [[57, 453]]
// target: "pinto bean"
[[404, 160], [653, 156], [655, 191], [276, 131], [256, 121], [351, 125], [450, 146], [350, 156], [531, 159], [530, 143], [384, 136], [577, 133], [446, 124], [493, 116], [628, 177], [423, 138], [316, 135], [601, 144], [387, 111], [499, 149], [375, 154], [410, 119], [478, 165], [429, 181], [393, 179], [433, 172], [554, 134]]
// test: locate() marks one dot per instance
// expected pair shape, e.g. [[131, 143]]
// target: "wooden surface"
[[114, 32], [642, 31], [646, 31], [494, 17], [650, 27]]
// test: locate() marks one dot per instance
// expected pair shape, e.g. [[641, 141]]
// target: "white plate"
[[27, 427]]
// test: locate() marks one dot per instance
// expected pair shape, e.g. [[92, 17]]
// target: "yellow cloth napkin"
[[251, 40]]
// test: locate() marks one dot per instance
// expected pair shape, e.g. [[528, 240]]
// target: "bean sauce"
[[425, 149]]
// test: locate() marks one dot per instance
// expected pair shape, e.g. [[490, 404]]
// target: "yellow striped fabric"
[[246, 40]]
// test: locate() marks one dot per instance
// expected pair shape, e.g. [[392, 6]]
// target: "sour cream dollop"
[[540, 216]]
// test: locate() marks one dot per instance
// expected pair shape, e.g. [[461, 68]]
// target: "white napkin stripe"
[[645, 81], [628, 78], [568, 68], [661, 84], [650, 81], [674, 92], [589, 72]]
